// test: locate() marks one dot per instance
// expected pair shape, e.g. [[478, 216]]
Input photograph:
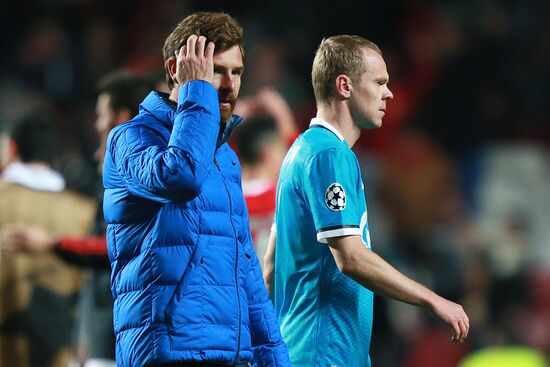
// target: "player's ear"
[[343, 86]]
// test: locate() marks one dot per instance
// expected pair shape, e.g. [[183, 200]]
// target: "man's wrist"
[[430, 300]]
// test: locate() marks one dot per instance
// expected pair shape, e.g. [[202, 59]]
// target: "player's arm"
[[89, 251], [269, 262], [277, 107], [371, 271]]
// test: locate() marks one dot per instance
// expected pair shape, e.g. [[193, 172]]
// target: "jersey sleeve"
[[331, 188]]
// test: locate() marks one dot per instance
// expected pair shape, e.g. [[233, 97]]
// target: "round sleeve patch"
[[335, 197]]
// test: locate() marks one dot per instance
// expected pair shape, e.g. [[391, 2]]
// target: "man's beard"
[[225, 114]]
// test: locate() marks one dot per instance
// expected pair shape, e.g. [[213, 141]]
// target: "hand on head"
[[194, 61], [266, 102], [271, 101]]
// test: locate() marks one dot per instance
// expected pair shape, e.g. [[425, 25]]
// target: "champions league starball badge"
[[335, 197]]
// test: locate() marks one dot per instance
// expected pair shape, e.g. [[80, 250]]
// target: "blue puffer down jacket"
[[185, 278]]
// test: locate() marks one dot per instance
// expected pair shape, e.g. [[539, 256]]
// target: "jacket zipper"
[[236, 262]]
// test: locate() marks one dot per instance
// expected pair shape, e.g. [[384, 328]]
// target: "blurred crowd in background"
[[457, 179]]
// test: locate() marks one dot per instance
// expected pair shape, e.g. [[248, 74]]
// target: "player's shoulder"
[[330, 150], [319, 133], [319, 140], [334, 155], [317, 146]]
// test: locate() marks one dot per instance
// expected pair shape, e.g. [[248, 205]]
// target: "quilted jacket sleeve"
[[149, 168], [267, 342]]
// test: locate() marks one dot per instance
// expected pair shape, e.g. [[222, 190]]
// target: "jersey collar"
[[326, 125]]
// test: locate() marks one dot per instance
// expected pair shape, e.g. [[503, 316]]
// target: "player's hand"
[[246, 107], [195, 60], [26, 238], [275, 105], [453, 315], [272, 102], [267, 101]]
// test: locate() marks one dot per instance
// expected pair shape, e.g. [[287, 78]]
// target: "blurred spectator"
[[44, 56], [38, 292], [513, 207], [261, 144], [120, 93], [512, 204]]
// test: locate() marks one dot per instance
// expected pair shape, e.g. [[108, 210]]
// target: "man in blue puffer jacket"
[[187, 284]]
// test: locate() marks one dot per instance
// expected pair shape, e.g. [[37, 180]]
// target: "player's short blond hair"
[[338, 55]]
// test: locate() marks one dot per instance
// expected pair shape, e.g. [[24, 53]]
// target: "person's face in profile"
[[228, 68]]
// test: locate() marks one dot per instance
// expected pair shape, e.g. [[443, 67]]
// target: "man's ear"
[[170, 65], [343, 86]]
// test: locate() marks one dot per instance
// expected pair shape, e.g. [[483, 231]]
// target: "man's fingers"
[[181, 51], [456, 333], [460, 331], [201, 42], [209, 53], [195, 60], [464, 327], [191, 42]]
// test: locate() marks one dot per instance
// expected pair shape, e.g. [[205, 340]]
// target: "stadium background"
[[457, 180]]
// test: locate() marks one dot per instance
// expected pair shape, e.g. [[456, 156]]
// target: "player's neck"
[[341, 120]]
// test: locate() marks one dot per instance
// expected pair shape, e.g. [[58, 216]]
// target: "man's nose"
[[228, 82], [389, 94]]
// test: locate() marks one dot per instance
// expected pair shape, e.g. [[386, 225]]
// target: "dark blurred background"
[[457, 179]]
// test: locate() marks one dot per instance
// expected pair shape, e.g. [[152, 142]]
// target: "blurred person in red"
[[38, 292], [261, 143], [120, 93]]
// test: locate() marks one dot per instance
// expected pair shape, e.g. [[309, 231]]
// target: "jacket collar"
[[230, 124], [160, 106], [163, 109]]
